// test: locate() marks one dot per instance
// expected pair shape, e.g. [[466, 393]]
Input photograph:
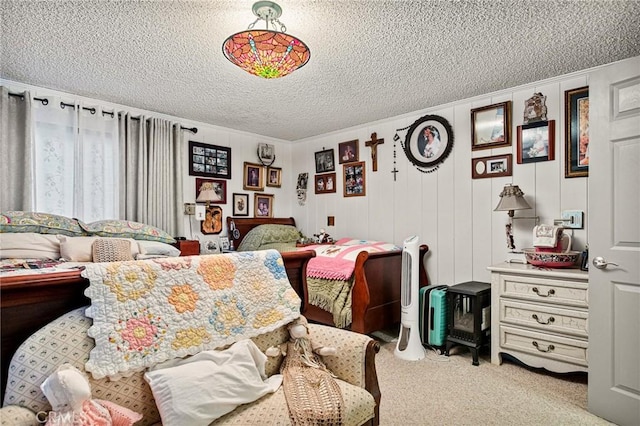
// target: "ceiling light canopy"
[[266, 53]]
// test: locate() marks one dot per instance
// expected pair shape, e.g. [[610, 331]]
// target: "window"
[[75, 162]]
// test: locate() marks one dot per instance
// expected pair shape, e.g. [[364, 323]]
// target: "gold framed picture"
[[263, 205], [274, 177], [253, 177]]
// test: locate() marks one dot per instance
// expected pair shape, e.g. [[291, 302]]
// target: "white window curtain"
[[76, 167], [15, 151]]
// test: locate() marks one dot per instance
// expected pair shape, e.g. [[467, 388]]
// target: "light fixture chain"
[[253, 24], [283, 29]]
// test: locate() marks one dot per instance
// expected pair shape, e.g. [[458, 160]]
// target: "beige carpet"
[[451, 391]]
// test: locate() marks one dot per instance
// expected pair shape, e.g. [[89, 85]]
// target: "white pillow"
[[29, 245], [197, 390], [80, 249], [157, 248]]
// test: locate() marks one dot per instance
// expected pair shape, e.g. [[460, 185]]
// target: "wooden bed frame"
[[29, 302], [375, 303]]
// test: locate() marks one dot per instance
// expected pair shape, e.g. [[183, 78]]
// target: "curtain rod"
[[44, 101], [63, 105]]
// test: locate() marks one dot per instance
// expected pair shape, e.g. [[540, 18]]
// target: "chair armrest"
[[15, 415], [354, 361]]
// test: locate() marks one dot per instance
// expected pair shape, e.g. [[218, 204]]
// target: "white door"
[[614, 236]]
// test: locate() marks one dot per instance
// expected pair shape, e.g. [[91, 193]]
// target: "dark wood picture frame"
[[240, 204], [536, 142], [491, 126], [212, 224], [325, 161], [211, 191], [253, 177], [274, 177], [325, 183], [263, 205], [493, 166], [354, 179], [576, 132], [211, 161], [348, 151]]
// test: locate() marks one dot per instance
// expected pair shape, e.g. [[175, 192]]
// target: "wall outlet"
[[190, 208], [572, 219]]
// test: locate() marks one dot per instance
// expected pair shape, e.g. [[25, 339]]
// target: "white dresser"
[[540, 316]]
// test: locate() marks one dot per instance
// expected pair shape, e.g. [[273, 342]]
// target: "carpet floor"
[[441, 390]]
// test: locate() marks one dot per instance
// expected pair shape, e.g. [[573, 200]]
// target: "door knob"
[[600, 263]]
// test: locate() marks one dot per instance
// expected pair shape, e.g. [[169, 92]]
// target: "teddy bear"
[[69, 393]]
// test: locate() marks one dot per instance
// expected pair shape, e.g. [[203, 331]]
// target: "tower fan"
[[409, 346]]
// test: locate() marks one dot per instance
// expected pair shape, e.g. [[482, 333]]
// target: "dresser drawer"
[[544, 290], [546, 318], [558, 348]]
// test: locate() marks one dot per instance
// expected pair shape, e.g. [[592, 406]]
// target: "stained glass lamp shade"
[[266, 53]]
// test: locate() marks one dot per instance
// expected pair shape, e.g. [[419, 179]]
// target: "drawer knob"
[[549, 293], [548, 321], [549, 348]]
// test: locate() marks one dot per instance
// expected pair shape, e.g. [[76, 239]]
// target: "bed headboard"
[[246, 224]]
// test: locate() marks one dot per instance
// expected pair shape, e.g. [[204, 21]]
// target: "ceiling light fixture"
[[266, 53]]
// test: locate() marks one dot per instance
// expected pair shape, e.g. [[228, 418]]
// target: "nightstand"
[[188, 247], [540, 316]]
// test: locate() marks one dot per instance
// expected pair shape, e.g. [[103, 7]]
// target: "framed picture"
[[253, 177], [212, 191], [209, 160], [354, 179], [536, 142], [489, 167], [429, 141], [212, 223], [263, 205], [302, 180], [491, 126], [266, 154], [241, 204], [325, 161], [274, 177], [325, 184], [576, 132], [224, 243], [348, 151], [210, 246]]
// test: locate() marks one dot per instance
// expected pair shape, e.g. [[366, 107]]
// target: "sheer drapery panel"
[[76, 167]]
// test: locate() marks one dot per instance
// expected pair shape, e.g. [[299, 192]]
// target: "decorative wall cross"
[[373, 144]]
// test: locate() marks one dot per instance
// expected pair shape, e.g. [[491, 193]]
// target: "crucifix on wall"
[[373, 144]]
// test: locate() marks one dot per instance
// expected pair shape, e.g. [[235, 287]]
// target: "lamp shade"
[[512, 198], [266, 53]]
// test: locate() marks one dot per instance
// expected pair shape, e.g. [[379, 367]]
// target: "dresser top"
[[528, 269]]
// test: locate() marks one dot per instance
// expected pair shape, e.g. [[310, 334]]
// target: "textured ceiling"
[[370, 60]]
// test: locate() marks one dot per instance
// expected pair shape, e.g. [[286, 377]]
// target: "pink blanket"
[[337, 262]]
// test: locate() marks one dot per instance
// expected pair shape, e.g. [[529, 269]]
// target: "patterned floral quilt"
[[148, 311]]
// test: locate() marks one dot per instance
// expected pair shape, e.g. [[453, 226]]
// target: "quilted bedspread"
[[148, 311]]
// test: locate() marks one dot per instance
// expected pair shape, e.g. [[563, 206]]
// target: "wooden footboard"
[[376, 292], [29, 302]]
